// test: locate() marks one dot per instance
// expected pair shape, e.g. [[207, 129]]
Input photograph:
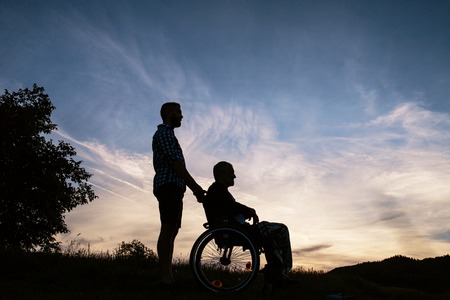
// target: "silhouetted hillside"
[[430, 274]]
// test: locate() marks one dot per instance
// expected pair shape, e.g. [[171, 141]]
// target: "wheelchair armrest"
[[223, 222]]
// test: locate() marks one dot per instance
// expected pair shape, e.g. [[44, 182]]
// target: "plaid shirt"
[[166, 150]]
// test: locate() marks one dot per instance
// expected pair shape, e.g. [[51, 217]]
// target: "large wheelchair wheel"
[[224, 259]]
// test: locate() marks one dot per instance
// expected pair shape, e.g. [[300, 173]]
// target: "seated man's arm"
[[248, 212], [221, 204]]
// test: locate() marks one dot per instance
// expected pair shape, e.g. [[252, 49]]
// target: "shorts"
[[170, 199]]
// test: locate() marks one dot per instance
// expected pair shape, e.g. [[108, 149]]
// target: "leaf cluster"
[[134, 250], [39, 179]]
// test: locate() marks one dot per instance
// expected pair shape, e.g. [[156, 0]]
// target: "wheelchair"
[[225, 258]]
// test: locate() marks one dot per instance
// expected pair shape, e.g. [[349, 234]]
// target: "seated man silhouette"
[[219, 204]]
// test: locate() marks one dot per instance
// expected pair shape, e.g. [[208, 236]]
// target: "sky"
[[335, 114]]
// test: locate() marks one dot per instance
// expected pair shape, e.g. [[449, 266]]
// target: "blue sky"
[[335, 114]]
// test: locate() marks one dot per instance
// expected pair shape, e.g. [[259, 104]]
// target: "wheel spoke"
[[226, 268]]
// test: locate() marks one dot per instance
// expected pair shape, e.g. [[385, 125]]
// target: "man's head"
[[224, 173], [171, 114]]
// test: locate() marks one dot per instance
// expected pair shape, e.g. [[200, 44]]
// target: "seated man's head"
[[224, 173]]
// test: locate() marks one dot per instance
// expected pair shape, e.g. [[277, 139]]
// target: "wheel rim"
[[224, 268]]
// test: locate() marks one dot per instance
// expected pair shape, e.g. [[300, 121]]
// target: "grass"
[[84, 275]]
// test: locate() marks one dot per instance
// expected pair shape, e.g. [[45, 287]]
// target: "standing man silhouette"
[[169, 185]]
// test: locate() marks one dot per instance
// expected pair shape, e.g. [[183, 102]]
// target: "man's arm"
[[255, 217], [180, 168], [250, 213]]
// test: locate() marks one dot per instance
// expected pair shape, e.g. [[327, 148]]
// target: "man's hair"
[[220, 167], [167, 107]]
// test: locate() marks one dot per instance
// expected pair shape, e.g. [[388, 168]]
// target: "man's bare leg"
[[165, 250]]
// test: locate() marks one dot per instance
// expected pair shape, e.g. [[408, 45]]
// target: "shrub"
[[134, 250]]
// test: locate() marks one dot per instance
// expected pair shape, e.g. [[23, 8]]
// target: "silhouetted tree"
[[39, 179], [135, 250]]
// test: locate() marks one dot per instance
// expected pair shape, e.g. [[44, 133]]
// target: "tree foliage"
[[135, 250], [39, 180]]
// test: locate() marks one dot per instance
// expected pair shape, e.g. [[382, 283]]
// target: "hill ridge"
[[428, 274]]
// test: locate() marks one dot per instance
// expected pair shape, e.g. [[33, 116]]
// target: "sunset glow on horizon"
[[334, 114]]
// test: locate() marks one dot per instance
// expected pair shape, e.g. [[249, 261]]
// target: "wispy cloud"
[[368, 181], [310, 249], [337, 137], [336, 195], [119, 58]]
